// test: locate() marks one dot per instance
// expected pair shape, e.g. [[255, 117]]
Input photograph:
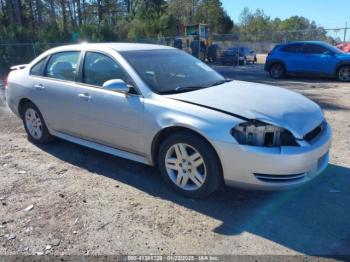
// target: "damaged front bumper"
[[274, 168]]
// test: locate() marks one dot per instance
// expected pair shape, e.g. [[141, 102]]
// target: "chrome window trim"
[[66, 51], [81, 68]]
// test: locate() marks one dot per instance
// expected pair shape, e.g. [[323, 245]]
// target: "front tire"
[[343, 74], [189, 165], [34, 124], [277, 71], [243, 62]]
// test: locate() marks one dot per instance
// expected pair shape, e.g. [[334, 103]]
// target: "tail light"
[[6, 82]]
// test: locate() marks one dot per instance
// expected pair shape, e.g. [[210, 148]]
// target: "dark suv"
[[246, 55], [308, 58]]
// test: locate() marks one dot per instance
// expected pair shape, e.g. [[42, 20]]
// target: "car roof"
[[304, 42], [116, 46]]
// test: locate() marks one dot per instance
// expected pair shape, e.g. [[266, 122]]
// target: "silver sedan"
[[160, 106]]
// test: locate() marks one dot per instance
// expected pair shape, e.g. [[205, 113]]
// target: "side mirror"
[[117, 85]]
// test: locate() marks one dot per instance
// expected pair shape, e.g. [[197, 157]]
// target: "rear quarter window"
[[292, 48], [37, 69]]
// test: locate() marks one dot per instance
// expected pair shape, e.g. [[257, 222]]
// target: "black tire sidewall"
[[211, 160], [281, 74], [46, 136]]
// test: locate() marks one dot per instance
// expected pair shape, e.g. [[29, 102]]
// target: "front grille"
[[280, 178], [313, 134]]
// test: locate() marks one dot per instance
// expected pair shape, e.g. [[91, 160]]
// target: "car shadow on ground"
[[327, 103], [312, 219]]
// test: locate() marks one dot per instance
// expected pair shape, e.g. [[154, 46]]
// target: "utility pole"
[[192, 16], [346, 27]]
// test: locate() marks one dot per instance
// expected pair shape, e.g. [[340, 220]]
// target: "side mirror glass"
[[117, 85]]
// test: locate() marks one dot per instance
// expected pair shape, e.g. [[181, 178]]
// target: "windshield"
[[167, 70], [235, 49], [333, 48]]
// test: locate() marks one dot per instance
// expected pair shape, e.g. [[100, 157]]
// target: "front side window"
[[63, 65], [37, 69], [314, 49], [167, 70], [99, 68]]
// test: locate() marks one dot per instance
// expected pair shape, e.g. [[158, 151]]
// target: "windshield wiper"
[[180, 89], [220, 82]]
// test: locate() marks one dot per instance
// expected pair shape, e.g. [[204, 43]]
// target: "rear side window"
[[229, 53], [99, 68], [314, 49], [63, 65], [37, 69], [292, 48]]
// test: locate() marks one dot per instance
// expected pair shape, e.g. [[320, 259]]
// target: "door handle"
[[39, 87], [85, 96]]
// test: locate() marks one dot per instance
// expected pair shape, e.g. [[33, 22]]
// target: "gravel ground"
[[65, 199]]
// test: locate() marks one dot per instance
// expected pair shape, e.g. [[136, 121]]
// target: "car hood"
[[270, 104], [344, 56]]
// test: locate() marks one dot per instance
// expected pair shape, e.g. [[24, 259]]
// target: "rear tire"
[[189, 165], [343, 74], [34, 124], [277, 71]]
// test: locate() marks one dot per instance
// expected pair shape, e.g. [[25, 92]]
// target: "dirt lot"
[[86, 202]]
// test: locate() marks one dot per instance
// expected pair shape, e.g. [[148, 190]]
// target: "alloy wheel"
[[33, 123], [276, 71], [185, 166], [344, 74]]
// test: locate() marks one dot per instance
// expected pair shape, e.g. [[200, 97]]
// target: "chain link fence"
[[22, 53]]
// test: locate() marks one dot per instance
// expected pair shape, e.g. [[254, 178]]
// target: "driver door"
[[318, 59], [103, 116]]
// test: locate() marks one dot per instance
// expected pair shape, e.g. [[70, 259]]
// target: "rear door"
[[104, 116], [318, 59], [54, 88], [293, 57]]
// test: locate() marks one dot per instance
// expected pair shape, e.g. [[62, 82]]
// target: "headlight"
[[261, 134]]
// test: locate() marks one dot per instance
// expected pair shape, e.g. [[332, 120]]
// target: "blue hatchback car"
[[308, 58]]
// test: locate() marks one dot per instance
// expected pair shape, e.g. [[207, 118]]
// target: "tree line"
[[47, 23], [120, 20], [106, 20], [257, 26]]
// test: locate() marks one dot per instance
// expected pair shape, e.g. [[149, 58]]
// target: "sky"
[[326, 13]]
